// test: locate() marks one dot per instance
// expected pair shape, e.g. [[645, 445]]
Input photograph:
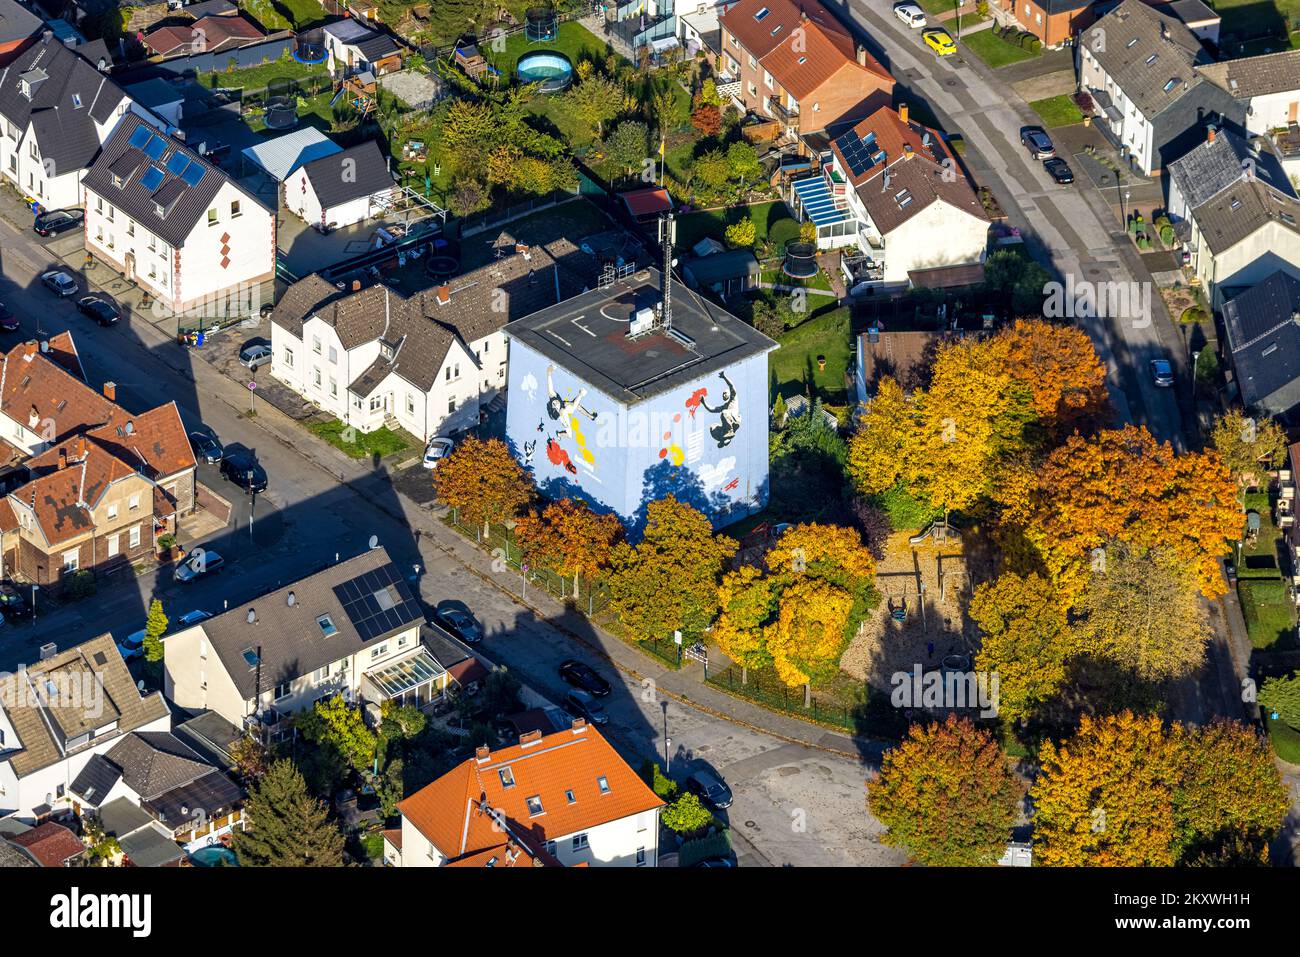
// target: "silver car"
[[252, 356]]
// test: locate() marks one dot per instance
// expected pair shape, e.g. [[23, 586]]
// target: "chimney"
[[29, 349], [47, 36], [902, 113], [862, 55], [530, 738], [110, 391], [1209, 134], [33, 418], [482, 754], [63, 458], [443, 295], [356, 285], [579, 725]]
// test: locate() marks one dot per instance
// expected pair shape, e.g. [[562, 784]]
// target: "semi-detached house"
[[427, 362]]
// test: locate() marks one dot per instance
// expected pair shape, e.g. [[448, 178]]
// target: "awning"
[[816, 199], [401, 676], [662, 44]]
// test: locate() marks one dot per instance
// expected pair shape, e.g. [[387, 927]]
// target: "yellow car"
[[940, 41]]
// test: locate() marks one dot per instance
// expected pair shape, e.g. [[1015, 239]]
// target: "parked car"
[[132, 646], [1059, 170], [939, 40], [8, 321], [13, 603], [196, 567], [254, 354], [458, 621], [243, 470], [710, 789], [579, 704], [57, 221], [104, 313], [716, 862], [910, 14], [191, 618], [60, 283], [1039, 144], [1162, 372], [206, 447], [437, 450], [585, 677]]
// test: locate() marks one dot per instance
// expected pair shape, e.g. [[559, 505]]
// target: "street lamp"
[[668, 742], [35, 589]]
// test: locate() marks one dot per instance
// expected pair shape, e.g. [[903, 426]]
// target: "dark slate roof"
[[1263, 326], [370, 379], [446, 650], [213, 793], [191, 203], [1242, 210], [153, 762], [1192, 11], [209, 8], [17, 22], [1256, 75], [149, 847], [369, 174], [1213, 166], [96, 780], [211, 735], [292, 642], [154, 93], [1133, 33], [11, 855], [65, 133], [96, 52], [377, 47], [704, 338]]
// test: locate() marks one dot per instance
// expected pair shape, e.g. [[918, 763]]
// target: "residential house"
[[566, 798], [58, 713], [428, 363], [698, 28], [1243, 235], [893, 189], [355, 48], [352, 629], [1223, 160], [19, 28], [799, 65], [1268, 85], [165, 100], [56, 110], [1202, 20], [1139, 63], [209, 34], [1054, 22], [342, 188], [50, 844], [100, 484], [189, 802], [279, 156], [175, 225], [903, 356], [1263, 327]]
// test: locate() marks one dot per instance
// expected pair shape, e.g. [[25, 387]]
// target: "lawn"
[[1286, 739], [1057, 111], [772, 222], [284, 14], [360, 445], [818, 282], [1244, 19], [1269, 613], [792, 364], [255, 78], [574, 41], [995, 51]]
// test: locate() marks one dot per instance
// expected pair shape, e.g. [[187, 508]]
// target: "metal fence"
[[491, 218], [873, 717]]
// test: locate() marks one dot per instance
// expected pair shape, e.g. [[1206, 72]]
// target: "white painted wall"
[[1250, 261], [1273, 110]]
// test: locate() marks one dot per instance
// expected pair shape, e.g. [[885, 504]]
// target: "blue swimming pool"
[[552, 70], [214, 856]]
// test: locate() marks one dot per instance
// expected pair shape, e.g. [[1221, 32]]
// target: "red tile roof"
[[50, 843], [647, 202], [456, 811], [157, 440], [64, 497], [32, 384]]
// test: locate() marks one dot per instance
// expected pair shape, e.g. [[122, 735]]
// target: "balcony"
[[859, 268], [790, 117]]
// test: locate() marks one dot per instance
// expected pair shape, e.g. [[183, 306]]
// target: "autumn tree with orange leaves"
[[569, 538], [745, 603], [1060, 367], [1124, 486], [483, 482]]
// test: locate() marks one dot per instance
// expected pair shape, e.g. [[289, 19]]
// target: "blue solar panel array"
[[152, 178], [177, 162], [155, 147], [193, 174], [857, 152], [140, 137]]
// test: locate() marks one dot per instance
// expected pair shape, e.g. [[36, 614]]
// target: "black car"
[[206, 447], [579, 704], [57, 221], [104, 313], [243, 470], [1036, 140], [584, 677], [1059, 170], [453, 616], [8, 321], [13, 603], [710, 788]]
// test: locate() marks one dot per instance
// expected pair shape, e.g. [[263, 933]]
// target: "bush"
[[904, 511], [686, 815], [664, 787], [702, 848], [78, 585], [1193, 314]]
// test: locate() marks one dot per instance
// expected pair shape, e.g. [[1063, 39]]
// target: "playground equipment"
[[541, 25], [941, 533], [281, 104], [310, 49], [360, 92], [800, 260]]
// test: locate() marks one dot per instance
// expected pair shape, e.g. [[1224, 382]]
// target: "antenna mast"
[[669, 227]]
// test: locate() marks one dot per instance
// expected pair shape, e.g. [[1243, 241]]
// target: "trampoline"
[[552, 70], [311, 48], [541, 25], [800, 261], [281, 104], [441, 267]]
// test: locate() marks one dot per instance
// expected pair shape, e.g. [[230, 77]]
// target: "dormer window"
[[76, 101], [118, 181], [327, 627]]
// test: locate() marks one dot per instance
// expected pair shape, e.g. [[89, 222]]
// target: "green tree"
[[742, 234], [626, 145], [335, 723], [686, 815], [155, 627], [669, 580], [712, 170], [285, 825], [595, 101], [743, 160], [1283, 696]]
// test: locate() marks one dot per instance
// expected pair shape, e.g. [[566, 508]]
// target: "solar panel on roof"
[[193, 174], [177, 162], [155, 147], [367, 613], [140, 136], [152, 178]]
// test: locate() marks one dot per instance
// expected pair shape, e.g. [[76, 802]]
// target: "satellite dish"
[[252, 616], [130, 428], [374, 541], [139, 686], [292, 599]]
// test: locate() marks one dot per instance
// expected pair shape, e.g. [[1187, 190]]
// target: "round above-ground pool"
[[552, 70], [214, 855]]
